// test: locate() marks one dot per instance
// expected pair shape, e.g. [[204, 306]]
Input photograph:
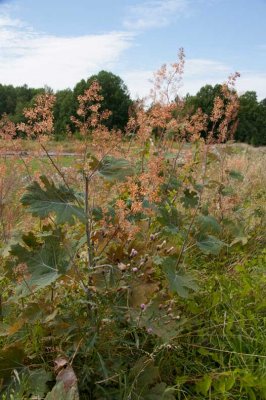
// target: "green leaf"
[[60, 393], [208, 224], [251, 393], [46, 260], [210, 244], [169, 218], [160, 392], [179, 283], [203, 386], [157, 319], [112, 168], [10, 358], [172, 185], [236, 175], [227, 191], [51, 199], [237, 229], [97, 213], [180, 380], [38, 382], [190, 199], [230, 381], [144, 373], [219, 385]]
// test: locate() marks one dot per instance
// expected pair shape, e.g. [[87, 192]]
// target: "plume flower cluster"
[[153, 129], [90, 122], [221, 125], [89, 110], [39, 117], [167, 81], [7, 128]]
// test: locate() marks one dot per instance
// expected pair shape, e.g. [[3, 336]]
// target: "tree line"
[[252, 112]]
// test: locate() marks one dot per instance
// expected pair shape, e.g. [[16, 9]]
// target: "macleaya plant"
[[99, 283]]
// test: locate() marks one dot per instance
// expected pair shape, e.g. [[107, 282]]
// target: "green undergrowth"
[[36, 164], [139, 323], [211, 345]]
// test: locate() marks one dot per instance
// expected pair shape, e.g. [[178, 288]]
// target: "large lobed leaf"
[[190, 199], [112, 168], [207, 223], [210, 244], [51, 199], [45, 261], [169, 218], [60, 393], [178, 281]]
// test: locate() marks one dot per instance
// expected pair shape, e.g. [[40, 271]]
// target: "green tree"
[[13, 100], [252, 120], [24, 99], [116, 98], [8, 98], [63, 109], [203, 99]]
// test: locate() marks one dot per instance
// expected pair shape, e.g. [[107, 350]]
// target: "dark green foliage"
[[177, 311], [208, 224], [45, 257], [51, 199], [116, 98], [115, 168], [210, 244], [64, 108], [178, 281], [169, 218], [13, 100], [252, 120], [190, 199], [236, 175], [10, 357], [203, 99], [252, 113]]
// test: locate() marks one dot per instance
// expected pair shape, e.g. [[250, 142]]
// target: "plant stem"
[[59, 171], [197, 208], [88, 229]]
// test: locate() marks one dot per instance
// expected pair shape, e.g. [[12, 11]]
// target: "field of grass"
[[166, 297], [132, 263]]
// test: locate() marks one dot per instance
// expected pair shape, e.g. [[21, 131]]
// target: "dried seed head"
[[133, 253]]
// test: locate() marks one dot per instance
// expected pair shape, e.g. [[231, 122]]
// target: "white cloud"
[[38, 59], [154, 13], [199, 72], [138, 82], [198, 66], [253, 81]]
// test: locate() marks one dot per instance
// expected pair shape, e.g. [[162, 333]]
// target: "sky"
[[59, 42]]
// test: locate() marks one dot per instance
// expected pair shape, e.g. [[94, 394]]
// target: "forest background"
[[13, 100]]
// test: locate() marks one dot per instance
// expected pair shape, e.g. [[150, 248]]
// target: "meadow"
[[133, 264]]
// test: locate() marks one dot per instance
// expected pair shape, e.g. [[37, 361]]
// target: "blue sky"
[[59, 42]]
